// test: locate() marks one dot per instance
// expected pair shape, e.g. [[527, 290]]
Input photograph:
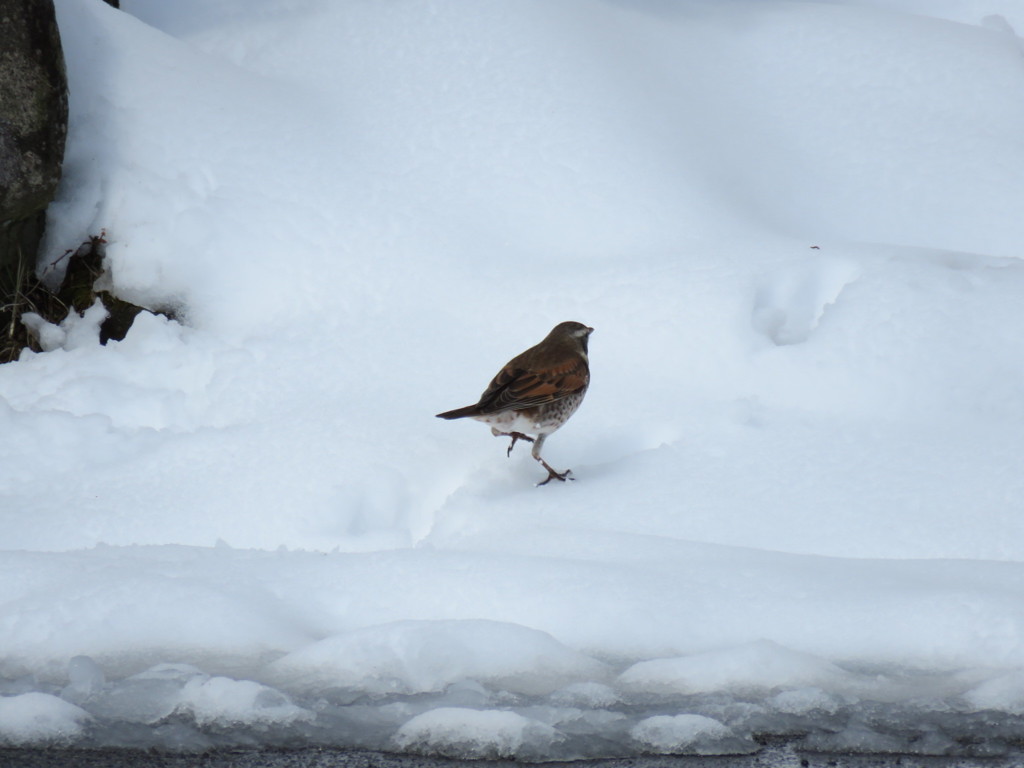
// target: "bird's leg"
[[552, 474], [514, 435]]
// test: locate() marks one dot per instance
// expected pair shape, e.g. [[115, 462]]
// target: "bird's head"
[[572, 331]]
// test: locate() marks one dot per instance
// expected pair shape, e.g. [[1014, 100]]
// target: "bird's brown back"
[[544, 373]]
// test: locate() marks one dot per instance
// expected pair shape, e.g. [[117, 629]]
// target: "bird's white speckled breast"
[[541, 420]]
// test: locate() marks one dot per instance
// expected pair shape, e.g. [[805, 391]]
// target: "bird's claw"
[[552, 475], [516, 436]]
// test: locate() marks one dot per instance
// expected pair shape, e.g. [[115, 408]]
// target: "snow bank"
[[276, 661]]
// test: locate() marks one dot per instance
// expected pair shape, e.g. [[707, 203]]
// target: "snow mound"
[[223, 701], [476, 734], [411, 657], [755, 666], [38, 718], [674, 734]]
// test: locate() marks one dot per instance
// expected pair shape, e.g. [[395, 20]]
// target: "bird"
[[536, 392]]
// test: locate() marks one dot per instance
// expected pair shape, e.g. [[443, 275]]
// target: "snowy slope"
[[796, 229]]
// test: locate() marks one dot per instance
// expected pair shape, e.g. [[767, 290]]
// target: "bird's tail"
[[459, 413]]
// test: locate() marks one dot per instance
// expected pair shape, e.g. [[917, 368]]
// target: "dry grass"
[[23, 291]]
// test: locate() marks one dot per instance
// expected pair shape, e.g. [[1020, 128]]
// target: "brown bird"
[[536, 392]]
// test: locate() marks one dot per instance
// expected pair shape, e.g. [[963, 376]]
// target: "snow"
[[678, 733], [167, 689], [410, 657], [797, 508], [1000, 694], [473, 733], [39, 718], [762, 664]]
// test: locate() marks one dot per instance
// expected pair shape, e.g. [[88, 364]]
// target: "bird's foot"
[[516, 436], [553, 475]]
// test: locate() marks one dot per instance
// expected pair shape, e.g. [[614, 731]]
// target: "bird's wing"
[[515, 388]]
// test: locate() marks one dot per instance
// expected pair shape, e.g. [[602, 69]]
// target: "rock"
[[33, 127], [33, 108]]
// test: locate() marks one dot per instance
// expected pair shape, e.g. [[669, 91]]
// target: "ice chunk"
[[180, 672], [680, 733], [427, 656], [32, 718], [758, 665], [18, 685], [223, 701], [471, 733], [802, 701], [167, 689], [1004, 693], [861, 737], [147, 697], [465, 693], [85, 678], [590, 694], [85, 674]]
